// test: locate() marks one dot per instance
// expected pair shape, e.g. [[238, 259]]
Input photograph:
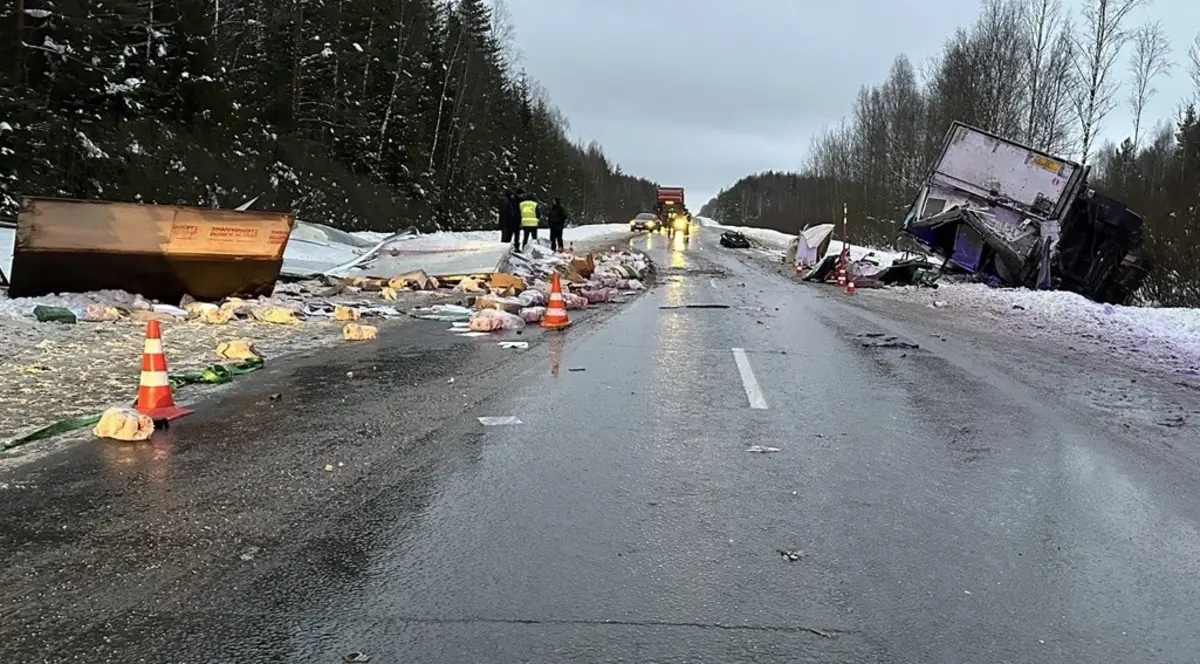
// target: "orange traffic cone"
[[154, 390], [556, 308], [850, 286]]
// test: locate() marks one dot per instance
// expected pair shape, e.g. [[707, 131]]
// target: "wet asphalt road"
[[945, 508]]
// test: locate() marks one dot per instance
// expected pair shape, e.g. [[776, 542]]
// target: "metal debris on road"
[[791, 556], [357, 658], [762, 449]]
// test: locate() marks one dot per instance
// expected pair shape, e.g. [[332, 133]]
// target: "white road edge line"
[[749, 382]]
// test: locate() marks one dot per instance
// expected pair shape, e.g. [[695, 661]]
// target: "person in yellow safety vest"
[[529, 220]]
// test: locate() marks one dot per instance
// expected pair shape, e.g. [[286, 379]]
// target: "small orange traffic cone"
[[154, 390], [556, 308], [850, 286]]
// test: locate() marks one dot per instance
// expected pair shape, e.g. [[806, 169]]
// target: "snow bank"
[[8, 237], [1166, 337], [576, 234]]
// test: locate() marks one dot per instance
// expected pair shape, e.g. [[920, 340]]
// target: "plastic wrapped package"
[[575, 302], [490, 320], [447, 313], [599, 295], [509, 304], [532, 298], [533, 314]]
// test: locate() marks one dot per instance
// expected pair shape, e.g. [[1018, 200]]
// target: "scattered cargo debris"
[[161, 252], [1016, 216]]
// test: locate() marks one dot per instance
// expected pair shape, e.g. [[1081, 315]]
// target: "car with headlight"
[[644, 222]]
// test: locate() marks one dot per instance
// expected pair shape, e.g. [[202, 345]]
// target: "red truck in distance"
[[671, 211]]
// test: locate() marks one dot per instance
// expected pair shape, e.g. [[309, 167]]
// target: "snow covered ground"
[[1154, 338], [1165, 338]]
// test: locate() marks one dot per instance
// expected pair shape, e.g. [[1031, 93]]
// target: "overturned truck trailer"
[[162, 252], [1020, 217]]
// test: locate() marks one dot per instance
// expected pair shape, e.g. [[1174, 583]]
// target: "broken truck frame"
[[1018, 216]]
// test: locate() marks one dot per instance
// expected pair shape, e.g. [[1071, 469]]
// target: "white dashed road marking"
[[749, 382]]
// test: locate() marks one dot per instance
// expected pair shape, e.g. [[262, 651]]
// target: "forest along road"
[[924, 505]]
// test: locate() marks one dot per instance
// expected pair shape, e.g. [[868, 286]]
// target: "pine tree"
[[363, 114]]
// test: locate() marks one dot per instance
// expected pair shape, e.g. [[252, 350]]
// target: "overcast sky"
[[699, 93]]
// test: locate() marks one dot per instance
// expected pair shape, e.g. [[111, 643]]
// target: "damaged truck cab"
[[1016, 216]]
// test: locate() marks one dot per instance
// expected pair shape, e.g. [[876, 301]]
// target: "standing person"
[[558, 221], [529, 220], [509, 219], [518, 196]]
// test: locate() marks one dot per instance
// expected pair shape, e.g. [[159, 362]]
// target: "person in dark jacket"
[[557, 219], [510, 220]]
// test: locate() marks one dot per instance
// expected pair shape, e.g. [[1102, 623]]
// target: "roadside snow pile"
[[573, 234], [1168, 337], [8, 236]]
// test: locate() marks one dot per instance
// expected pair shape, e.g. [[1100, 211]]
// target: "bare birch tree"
[[1097, 46], [1042, 22], [1058, 130], [1194, 66], [1150, 59]]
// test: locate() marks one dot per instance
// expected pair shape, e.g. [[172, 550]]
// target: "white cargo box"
[[984, 170]]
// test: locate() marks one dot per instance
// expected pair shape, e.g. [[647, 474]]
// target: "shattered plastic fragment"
[[762, 449], [515, 345], [499, 421]]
